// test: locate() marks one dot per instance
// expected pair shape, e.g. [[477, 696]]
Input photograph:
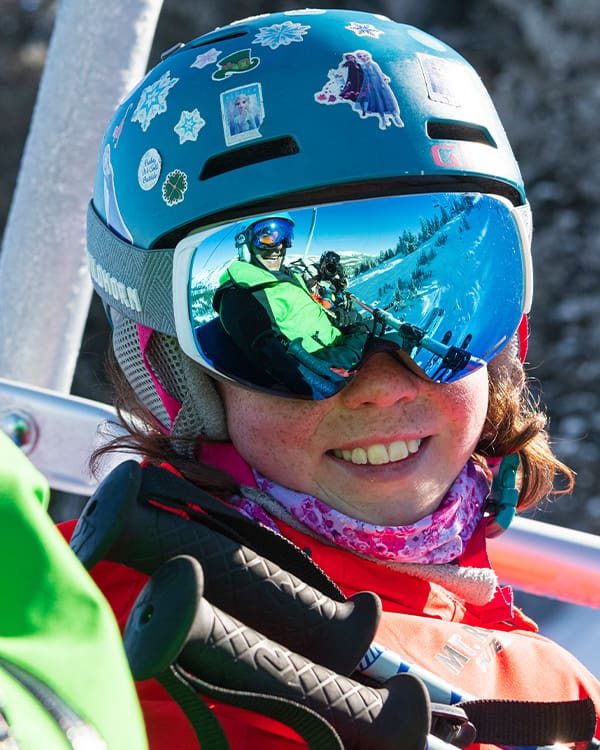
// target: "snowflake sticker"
[[174, 187], [153, 100], [206, 58], [364, 29], [189, 125], [280, 34]]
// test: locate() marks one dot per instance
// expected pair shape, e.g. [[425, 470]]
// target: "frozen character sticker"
[[111, 204], [445, 79], [153, 100], [116, 134], [280, 34], [189, 125], [243, 112], [359, 81], [238, 62]]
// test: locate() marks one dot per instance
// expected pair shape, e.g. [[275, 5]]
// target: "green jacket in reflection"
[[280, 327]]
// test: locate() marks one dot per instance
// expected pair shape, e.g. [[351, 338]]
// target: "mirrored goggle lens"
[[268, 234], [439, 279]]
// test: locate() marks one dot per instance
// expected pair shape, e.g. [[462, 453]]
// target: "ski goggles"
[[264, 235], [441, 280]]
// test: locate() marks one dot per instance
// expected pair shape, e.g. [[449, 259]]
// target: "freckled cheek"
[[466, 411], [265, 427]]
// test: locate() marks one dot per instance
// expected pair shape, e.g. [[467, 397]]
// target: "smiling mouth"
[[379, 454]]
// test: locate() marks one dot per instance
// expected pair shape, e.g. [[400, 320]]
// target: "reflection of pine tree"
[[425, 258], [409, 289], [201, 297], [430, 227]]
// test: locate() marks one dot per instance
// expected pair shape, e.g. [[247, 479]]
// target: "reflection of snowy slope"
[[377, 286], [412, 286], [204, 285], [209, 279]]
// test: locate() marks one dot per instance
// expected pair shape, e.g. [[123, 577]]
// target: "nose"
[[382, 381]]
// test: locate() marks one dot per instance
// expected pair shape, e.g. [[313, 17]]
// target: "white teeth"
[[413, 445], [377, 454], [359, 456], [380, 454], [399, 450]]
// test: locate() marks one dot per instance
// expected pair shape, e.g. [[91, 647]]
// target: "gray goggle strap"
[[136, 282]]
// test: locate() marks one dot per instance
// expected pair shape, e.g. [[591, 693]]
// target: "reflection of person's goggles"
[[265, 235], [440, 280]]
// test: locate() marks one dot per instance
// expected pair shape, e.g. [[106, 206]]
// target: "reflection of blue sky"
[[470, 272], [377, 223]]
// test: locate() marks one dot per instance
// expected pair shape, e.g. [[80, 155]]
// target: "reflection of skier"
[[282, 325], [375, 95], [354, 77]]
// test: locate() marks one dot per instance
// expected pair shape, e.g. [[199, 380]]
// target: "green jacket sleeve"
[[61, 654]]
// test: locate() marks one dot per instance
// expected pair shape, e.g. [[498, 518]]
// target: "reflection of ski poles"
[[453, 357]]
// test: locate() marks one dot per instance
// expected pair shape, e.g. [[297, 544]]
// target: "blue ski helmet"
[[274, 112]]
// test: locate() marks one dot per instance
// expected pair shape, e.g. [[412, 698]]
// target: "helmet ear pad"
[[180, 396]]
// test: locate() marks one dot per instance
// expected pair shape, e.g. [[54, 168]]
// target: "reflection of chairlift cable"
[[311, 231]]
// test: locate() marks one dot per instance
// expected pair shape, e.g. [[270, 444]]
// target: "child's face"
[[295, 442]]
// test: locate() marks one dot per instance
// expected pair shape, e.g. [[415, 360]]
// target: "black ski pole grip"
[[171, 622], [116, 525]]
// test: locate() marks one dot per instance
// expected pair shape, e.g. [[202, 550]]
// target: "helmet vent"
[[247, 155], [217, 37], [443, 130]]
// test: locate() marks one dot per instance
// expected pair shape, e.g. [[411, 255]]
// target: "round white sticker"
[[149, 169]]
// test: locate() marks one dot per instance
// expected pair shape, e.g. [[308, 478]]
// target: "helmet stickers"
[[243, 111], [153, 100], [238, 62], [206, 58], [358, 80], [174, 187], [364, 29], [189, 125], [149, 169], [279, 34], [113, 212], [223, 110]]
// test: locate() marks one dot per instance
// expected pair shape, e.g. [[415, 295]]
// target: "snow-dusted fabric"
[[438, 538]]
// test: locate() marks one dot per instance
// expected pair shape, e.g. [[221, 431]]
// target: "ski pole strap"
[[205, 724], [314, 730], [531, 723]]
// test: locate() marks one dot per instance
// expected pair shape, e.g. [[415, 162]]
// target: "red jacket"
[[489, 651]]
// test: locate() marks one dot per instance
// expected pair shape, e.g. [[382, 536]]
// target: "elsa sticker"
[[359, 81], [243, 112], [111, 203]]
